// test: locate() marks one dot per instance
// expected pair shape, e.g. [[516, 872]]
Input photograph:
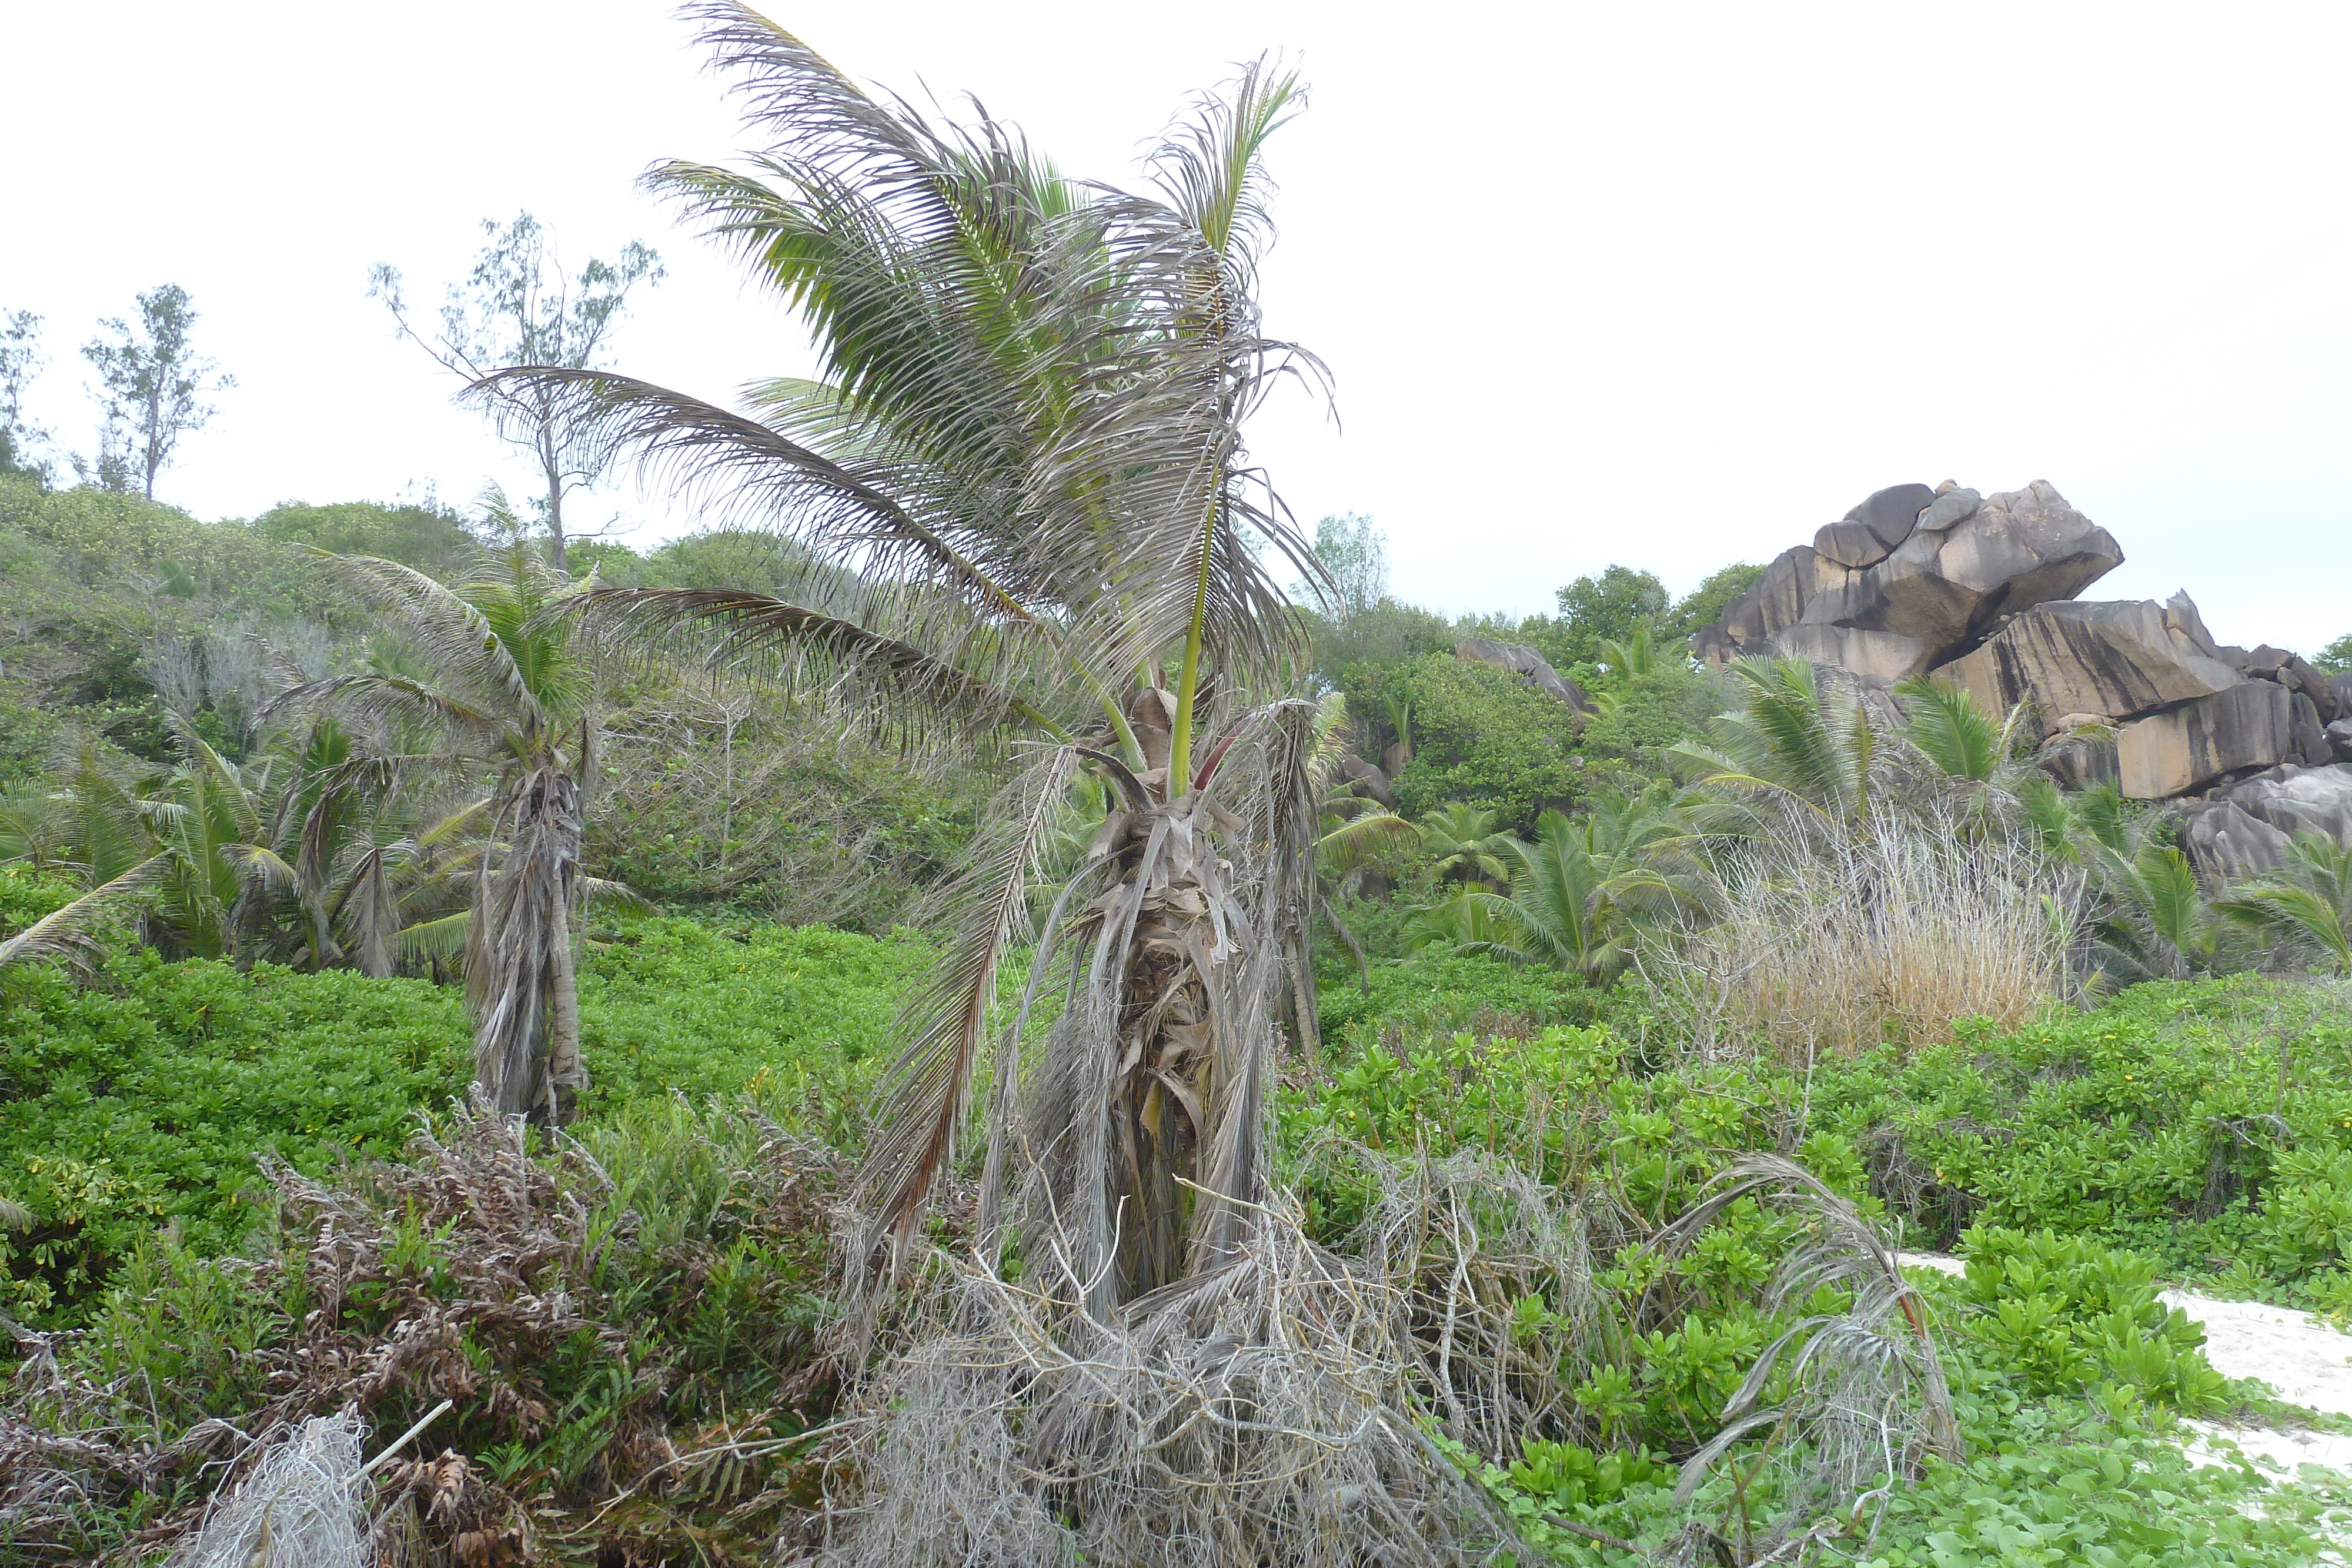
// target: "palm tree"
[[1022, 513], [1792, 741], [506, 699], [1465, 845], [2309, 899], [1583, 893]]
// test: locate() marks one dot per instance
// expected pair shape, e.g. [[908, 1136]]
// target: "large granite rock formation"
[[1980, 591], [2227, 845], [2180, 749], [2082, 662], [2248, 828], [1890, 599], [1530, 665], [2298, 801]]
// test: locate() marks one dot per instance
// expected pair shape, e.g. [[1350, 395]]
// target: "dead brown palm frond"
[[927, 1090], [1256, 1412], [809, 647], [1865, 1399]]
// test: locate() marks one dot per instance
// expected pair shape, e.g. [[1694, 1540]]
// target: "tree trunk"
[[1179, 1063], [555, 547], [519, 972]]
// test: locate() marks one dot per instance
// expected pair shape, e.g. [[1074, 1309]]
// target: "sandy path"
[[2305, 1360]]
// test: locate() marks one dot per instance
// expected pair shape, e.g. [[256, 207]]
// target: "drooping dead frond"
[[1257, 1413], [1866, 1399], [300, 1507], [928, 1087], [811, 647]]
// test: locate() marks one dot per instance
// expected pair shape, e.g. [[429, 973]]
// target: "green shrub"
[[2059, 1314], [1439, 991], [796, 1017], [152, 1104], [1481, 735]]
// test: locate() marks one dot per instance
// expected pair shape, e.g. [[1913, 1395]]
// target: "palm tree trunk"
[[519, 975]]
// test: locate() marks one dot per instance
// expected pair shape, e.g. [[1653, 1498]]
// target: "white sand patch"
[[2308, 1362]]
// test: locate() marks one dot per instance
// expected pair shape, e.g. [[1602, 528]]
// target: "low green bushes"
[[152, 1101], [627, 1326], [798, 1017]]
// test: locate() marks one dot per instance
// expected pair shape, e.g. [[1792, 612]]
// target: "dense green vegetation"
[[971, 1028]]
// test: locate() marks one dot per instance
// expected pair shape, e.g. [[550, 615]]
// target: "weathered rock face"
[[1870, 533], [1528, 664], [2185, 749], [2298, 801], [2094, 660], [2079, 761], [1884, 657], [1980, 589], [1368, 781], [1943, 582], [2227, 846]]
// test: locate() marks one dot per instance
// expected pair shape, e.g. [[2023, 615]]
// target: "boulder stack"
[[1980, 591]]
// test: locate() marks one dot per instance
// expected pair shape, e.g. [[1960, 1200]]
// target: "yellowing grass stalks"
[[1839, 942]]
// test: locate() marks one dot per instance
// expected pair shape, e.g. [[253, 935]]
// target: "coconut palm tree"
[[1584, 891], [1025, 520], [506, 700]]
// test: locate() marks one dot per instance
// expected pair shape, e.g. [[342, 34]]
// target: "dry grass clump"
[[1259, 1413], [1839, 941]]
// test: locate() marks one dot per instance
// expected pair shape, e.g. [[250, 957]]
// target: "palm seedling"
[[504, 699], [2308, 901], [1023, 521], [1585, 891], [1463, 845]]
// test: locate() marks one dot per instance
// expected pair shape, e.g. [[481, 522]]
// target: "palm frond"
[[1955, 734], [820, 646], [448, 632], [70, 936], [928, 1088]]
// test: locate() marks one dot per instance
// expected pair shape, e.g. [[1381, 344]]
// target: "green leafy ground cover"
[[153, 1100], [2069, 1376], [2178, 1127]]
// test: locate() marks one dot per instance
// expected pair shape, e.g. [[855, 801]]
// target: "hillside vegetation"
[[967, 1017]]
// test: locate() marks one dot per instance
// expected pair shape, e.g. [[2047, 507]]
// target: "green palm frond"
[[2310, 896], [1955, 734]]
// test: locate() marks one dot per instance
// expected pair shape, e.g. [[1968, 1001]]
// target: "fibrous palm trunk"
[[1143, 1136], [520, 971]]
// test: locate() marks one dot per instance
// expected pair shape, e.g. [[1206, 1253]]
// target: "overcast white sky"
[[1665, 284]]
